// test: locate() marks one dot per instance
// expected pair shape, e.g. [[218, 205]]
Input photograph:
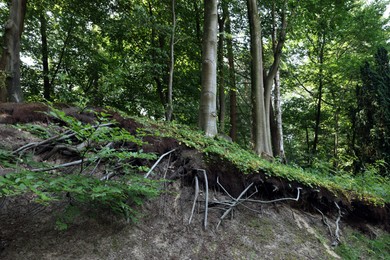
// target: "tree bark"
[[232, 76], [208, 106], [47, 91], [221, 74], [261, 129], [10, 90], [277, 45]]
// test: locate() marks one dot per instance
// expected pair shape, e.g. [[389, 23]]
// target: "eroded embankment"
[[186, 162]]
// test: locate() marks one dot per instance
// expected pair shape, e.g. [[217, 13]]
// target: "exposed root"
[[207, 197], [195, 198], [156, 163]]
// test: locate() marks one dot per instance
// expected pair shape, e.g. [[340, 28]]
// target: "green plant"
[[37, 130], [359, 246], [103, 146]]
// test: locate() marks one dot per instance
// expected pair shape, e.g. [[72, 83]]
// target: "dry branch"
[[64, 165]]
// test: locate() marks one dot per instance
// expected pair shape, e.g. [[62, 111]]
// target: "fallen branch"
[[64, 165], [67, 134], [156, 163], [195, 198]]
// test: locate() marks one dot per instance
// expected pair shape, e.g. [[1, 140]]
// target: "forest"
[[311, 76], [302, 83]]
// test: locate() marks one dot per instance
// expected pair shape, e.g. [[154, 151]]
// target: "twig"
[[337, 236], [156, 163], [94, 168], [67, 134], [58, 166], [195, 198], [207, 196], [108, 176], [36, 144]]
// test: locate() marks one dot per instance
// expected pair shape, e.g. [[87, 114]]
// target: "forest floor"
[[279, 230]]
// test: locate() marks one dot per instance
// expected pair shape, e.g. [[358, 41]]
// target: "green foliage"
[[359, 246], [67, 217], [119, 195], [368, 187], [37, 130]]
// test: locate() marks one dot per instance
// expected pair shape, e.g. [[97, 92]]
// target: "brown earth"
[[282, 230]]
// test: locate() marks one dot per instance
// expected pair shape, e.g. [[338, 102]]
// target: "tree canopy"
[[329, 60]]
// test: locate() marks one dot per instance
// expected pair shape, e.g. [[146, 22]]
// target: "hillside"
[[255, 208]]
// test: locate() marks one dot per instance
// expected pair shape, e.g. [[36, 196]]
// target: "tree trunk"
[[320, 90], [261, 134], [232, 76], [172, 65], [208, 106], [47, 91], [221, 74], [10, 90], [279, 148], [277, 45]]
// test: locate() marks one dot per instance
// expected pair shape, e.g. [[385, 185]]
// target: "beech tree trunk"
[[261, 129], [10, 90], [277, 44], [221, 74], [47, 91], [208, 106], [232, 76]]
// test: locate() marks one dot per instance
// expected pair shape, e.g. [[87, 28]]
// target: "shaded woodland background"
[[325, 67]]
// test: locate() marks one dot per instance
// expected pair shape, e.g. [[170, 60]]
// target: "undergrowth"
[[368, 187], [101, 147], [358, 246]]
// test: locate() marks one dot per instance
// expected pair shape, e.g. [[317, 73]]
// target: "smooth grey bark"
[[232, 76], [45, 57], [277, 113], [10, 90], [208, 102], [261, 129]]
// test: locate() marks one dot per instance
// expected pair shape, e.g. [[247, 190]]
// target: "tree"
[[373, 112], [10, 89], [261, 130], [208, 107]]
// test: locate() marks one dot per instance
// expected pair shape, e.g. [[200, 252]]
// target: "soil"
[[280, 230]]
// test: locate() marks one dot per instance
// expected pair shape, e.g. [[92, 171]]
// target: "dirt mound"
[[280, 230]]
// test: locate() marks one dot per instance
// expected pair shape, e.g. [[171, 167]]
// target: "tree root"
[[336, 236], [157, 162]]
